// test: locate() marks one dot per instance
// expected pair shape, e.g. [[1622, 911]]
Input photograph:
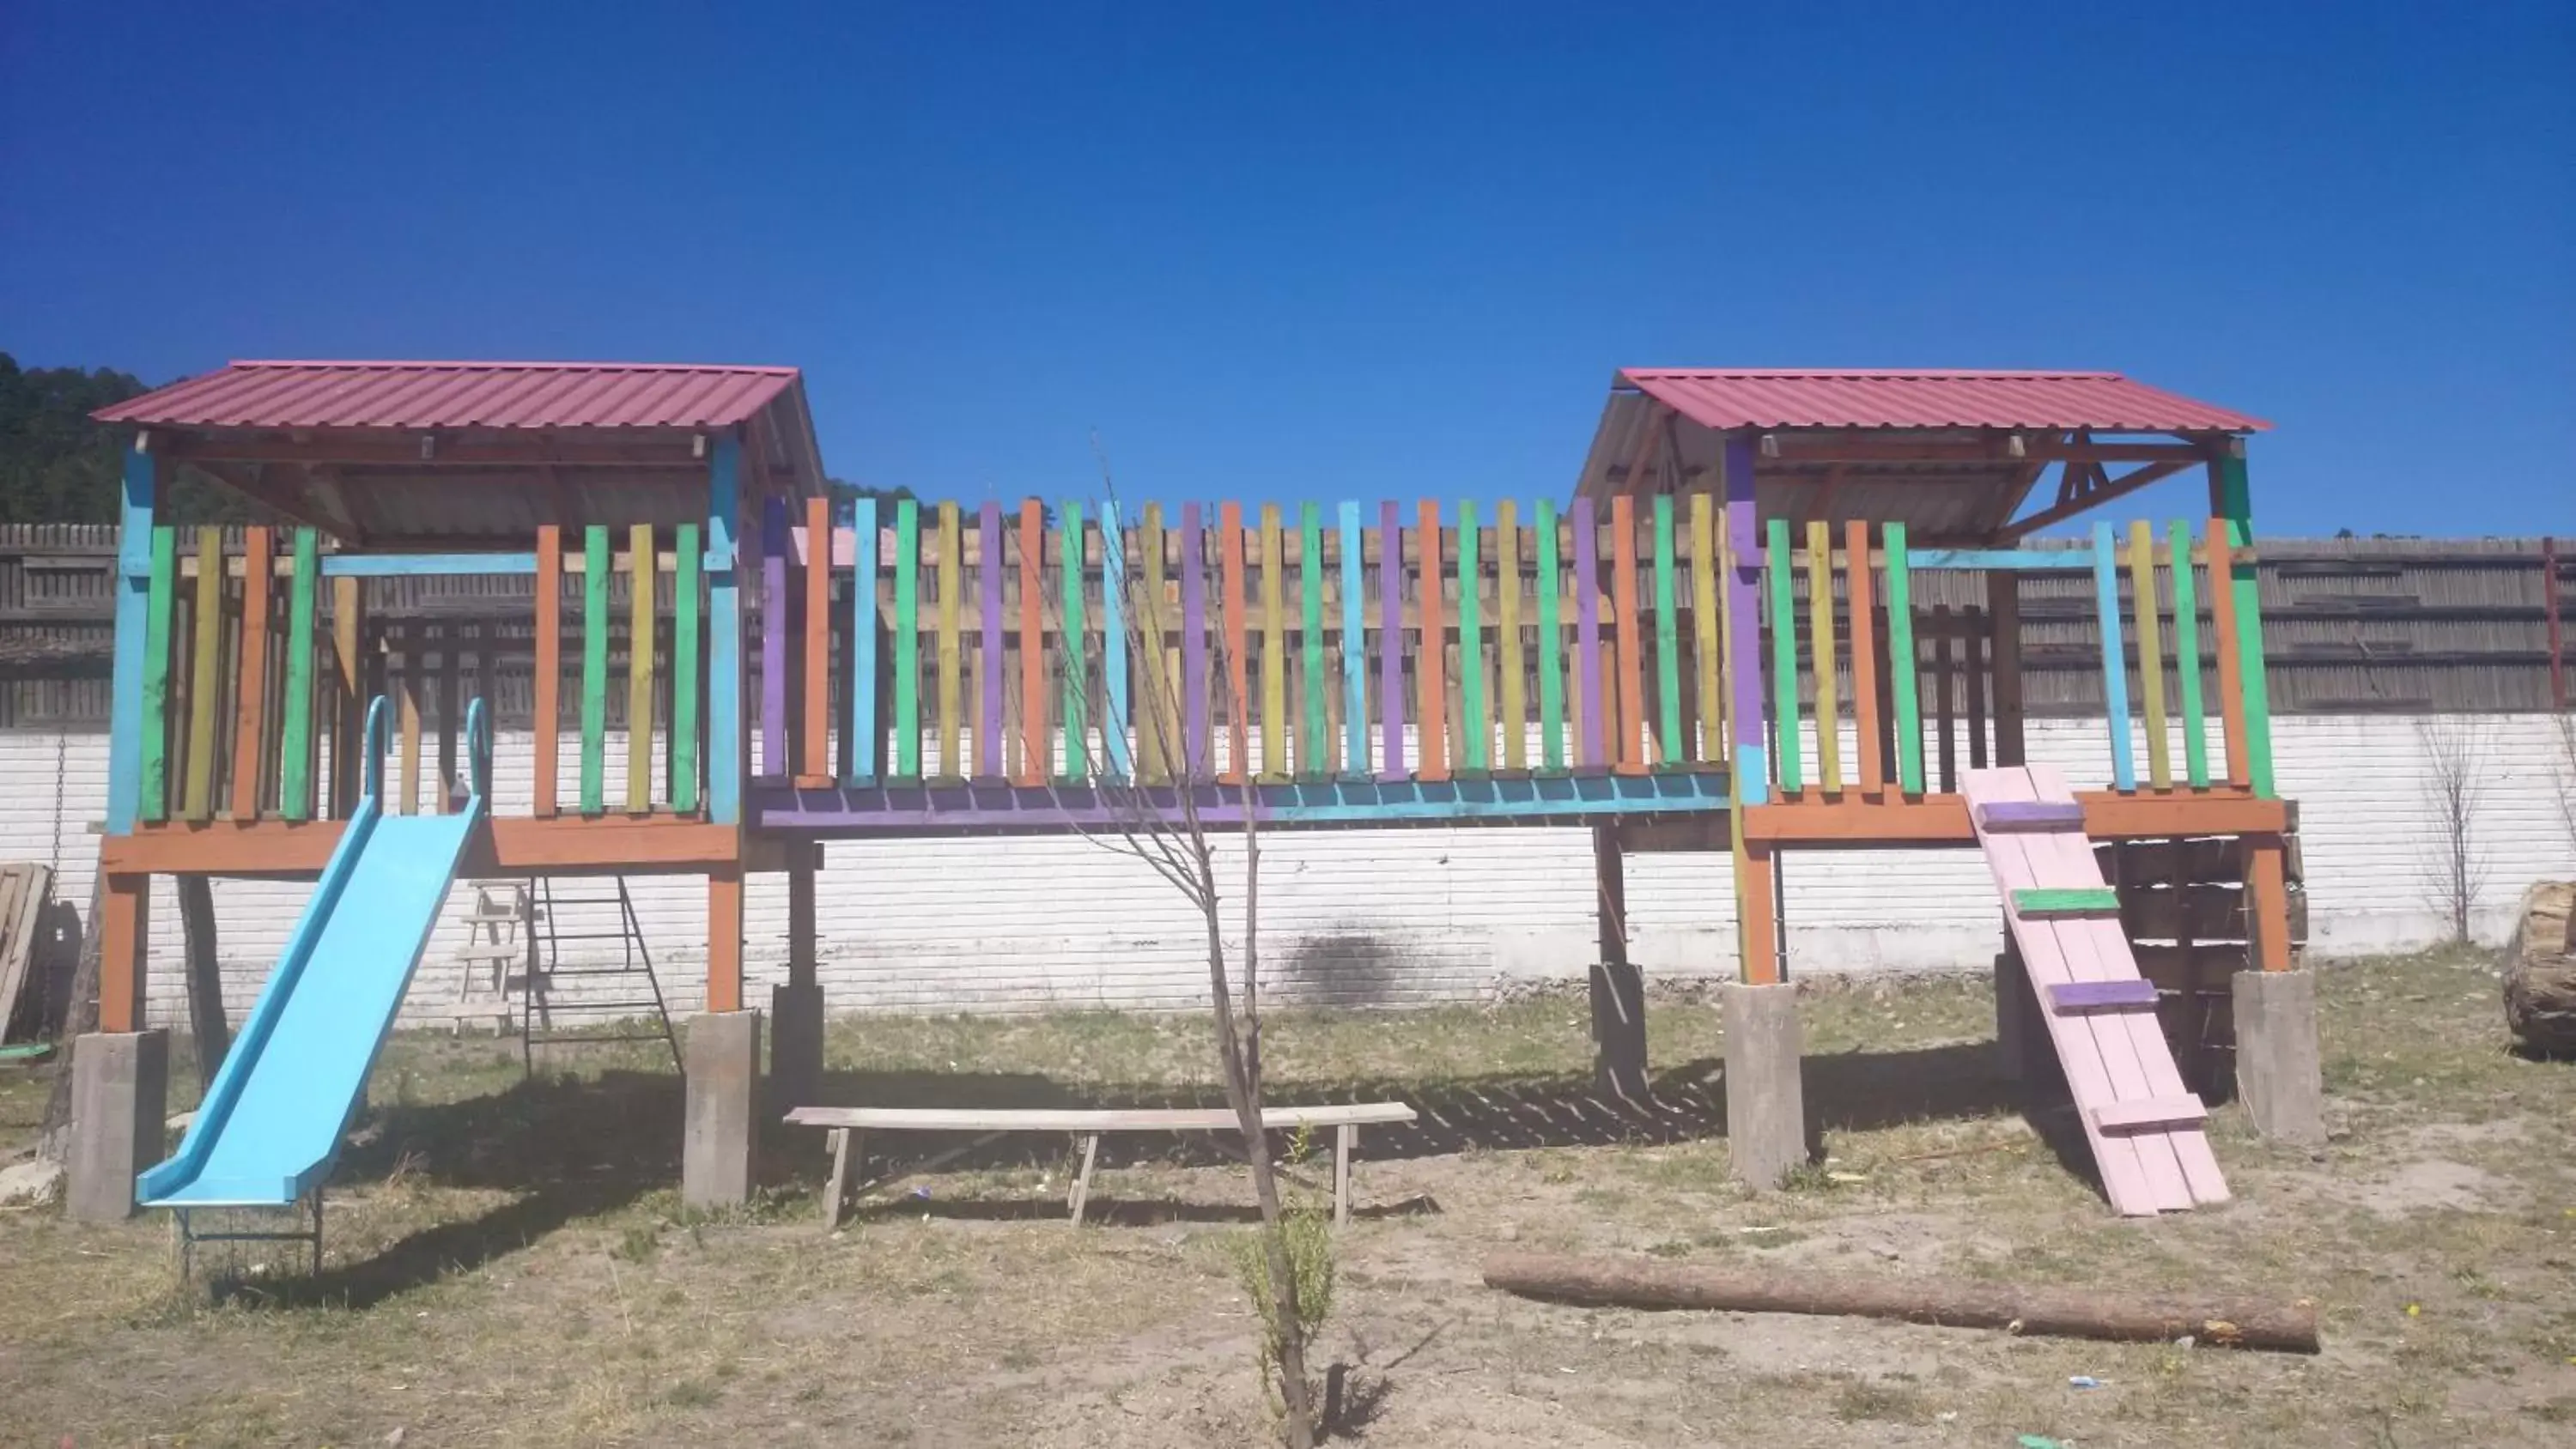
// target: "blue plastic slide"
[[270, 1125]]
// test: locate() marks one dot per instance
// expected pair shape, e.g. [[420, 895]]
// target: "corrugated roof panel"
[[501, 395], [1725, 398]]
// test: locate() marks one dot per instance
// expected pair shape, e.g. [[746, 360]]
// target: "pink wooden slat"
[[2152, 1115], [2145, 1036], [2124, 1179]]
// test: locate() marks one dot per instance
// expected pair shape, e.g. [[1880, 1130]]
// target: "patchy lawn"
[[507, 1264]]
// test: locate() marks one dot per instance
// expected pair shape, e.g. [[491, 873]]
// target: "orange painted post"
[[1631, 715], [124, 933], [1864, 657], [348, 740], [549, 665], [816, 765], [724, 938], [2267, 901], [250, 662], [1431, 674], [1760, 935], [1037, 750], [2231, 673], [1238, 670]]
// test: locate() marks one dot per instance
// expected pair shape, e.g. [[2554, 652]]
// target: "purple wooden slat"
[[774, 544], [1390, 623], [1744, 624], [1194, 643], [2027, 815], [1587, 634], [988, 731], [2097, 995]]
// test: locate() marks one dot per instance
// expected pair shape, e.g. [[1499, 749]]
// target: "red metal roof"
[[1725, 398], [459, 395]]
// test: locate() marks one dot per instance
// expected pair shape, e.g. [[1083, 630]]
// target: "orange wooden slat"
[[2231, 669], [1431, 676], [1631, 714]]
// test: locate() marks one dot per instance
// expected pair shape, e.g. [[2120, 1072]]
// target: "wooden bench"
[[849, 1125]]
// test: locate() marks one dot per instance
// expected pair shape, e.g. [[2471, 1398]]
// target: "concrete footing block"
[[722, 1137], [120, 1099], [795, 1046], [1766, 1095], [2279, 1074]]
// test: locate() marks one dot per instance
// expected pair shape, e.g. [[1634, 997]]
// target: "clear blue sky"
[[1358, 250]]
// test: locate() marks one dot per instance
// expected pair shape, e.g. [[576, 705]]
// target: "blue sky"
[[1342, 250]]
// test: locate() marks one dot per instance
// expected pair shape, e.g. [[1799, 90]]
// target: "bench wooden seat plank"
[[848, 1127]]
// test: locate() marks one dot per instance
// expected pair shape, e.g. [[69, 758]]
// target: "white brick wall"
[[1385, 916]]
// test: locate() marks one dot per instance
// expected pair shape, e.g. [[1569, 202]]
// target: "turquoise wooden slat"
[[2115, 668], [867, 732], [1113, 643]]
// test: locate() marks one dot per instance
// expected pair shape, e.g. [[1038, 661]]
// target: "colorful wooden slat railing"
[[1474, 714], [640, 577], [866, 740], [1668, 642], [1037, 757], [1594, 722], [1390, 633], [774, 548], [2151, 650], [951, 654], [1232, 586], [1900, 649], [1551, 643], [1864, 658], [1707, 626], [295, 745], [1117, 759], [687, 589], [1195, 715], [988, 644], [1512, 691], [2115, 670], [1430, 666], [1789, 750], [814, 764], [205, 674], [250, 715], [1274, 648], [547, 687], [1315, 743], [594, 672], [1074, 715], [907, 640], [2186, 607], [1629, 648], [159, 602], [1355, 715], [1821, 637]]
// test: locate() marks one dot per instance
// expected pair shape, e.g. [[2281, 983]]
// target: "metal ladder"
[[546, 970]]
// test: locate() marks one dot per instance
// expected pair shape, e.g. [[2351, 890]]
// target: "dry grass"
[[507, 1265]]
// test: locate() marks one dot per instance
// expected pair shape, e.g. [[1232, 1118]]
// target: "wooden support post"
[[2267, 901], [725, 758], [724, 939], [209, 1034], [1090, 1145], [1345, 1138], [2003, 610], [1618, 987], [124, 934], [1755, 905]]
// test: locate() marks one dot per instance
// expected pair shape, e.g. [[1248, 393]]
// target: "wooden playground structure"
[[1716, 643]]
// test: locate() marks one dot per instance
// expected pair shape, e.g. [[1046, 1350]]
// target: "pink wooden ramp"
[[2144, 1126]]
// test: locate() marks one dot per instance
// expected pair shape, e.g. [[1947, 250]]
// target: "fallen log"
[[2058, 1312]]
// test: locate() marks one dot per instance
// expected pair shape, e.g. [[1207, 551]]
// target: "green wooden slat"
[[1668, 636], [1310, 618], [1551, 647], [1901, 663], [685, 586], [1077, 681], [1472, 712], [2084, 901], [2236, 505], [1784, 660], [594, 668], [159, 600], [295, 741], [2195, 726], [907, 639]]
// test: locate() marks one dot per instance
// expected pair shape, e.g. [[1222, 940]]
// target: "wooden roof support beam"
[[2089, 498]]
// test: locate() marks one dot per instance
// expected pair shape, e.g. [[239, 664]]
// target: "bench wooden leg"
[[1090, 1143], [1345, 1137], [845, 1146]]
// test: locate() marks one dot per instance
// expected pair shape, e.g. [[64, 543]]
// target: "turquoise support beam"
[[725, 762]]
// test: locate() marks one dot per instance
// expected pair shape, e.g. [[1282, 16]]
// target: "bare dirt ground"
[[507, 1265]]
